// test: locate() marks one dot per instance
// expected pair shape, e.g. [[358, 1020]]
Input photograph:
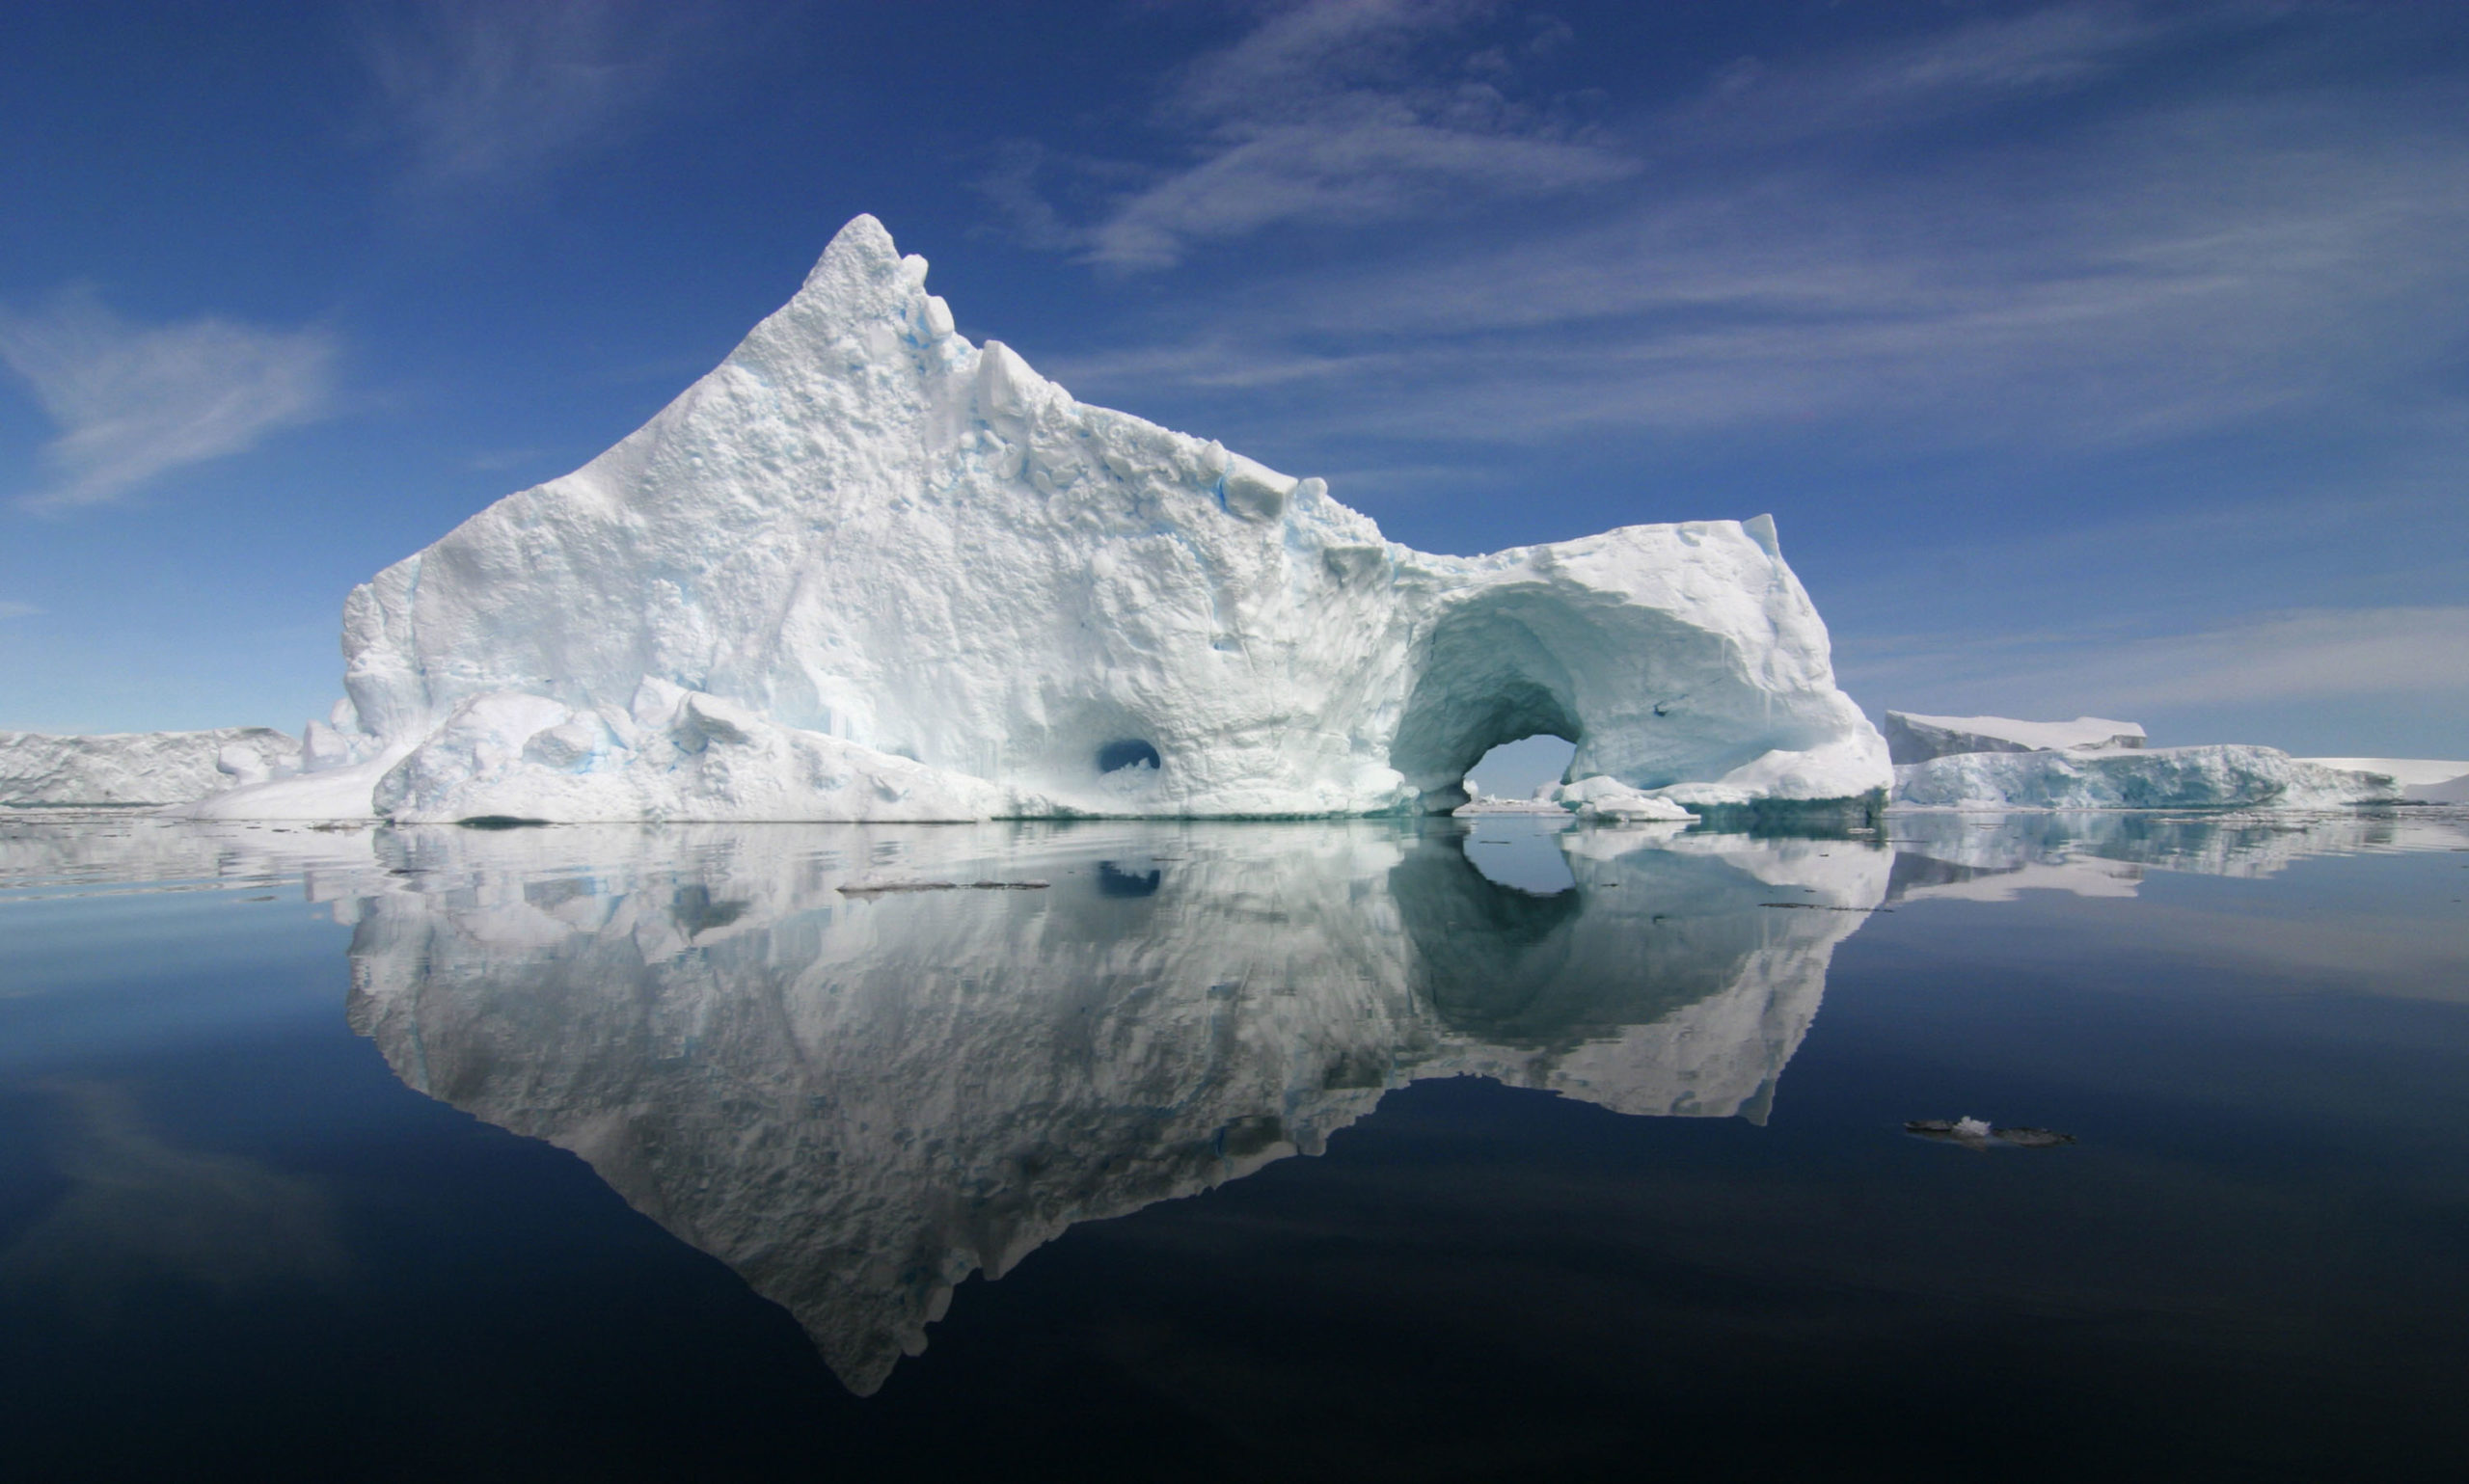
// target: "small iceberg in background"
[[1977, 1134]]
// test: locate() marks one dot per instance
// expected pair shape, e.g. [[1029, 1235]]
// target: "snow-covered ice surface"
[[1594, 798], [2450, 790], [1916, 739], [2215, 777], [1543, 804], [139, 768], [1608, 798], [867, 570], [2406, 772]]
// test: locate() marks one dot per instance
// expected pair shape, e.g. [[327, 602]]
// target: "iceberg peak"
[[861, 253]]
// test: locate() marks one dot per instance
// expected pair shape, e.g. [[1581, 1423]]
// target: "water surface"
[[699, 1151]]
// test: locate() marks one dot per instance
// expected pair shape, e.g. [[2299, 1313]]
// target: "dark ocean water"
[[1298, 1151]]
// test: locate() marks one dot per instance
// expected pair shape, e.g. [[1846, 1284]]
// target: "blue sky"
[[2092, 357]]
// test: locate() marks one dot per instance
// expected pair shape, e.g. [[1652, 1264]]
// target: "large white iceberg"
[[2215, 777], [868, 570], [1911, 737], [38, 769]]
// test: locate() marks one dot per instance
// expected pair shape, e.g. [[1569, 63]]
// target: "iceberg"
[[38, 771], [2232, 776], [1916, 739], [868, 570]]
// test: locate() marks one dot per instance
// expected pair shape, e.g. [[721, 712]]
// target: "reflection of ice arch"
[[1666, 984], [858, 1100]]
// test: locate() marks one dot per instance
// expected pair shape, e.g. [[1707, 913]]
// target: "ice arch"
[[1486, 677], [1648, 695]]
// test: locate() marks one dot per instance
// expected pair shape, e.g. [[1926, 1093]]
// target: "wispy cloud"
[[1864, 91], [133, 402], [483, 93], [1334, 112], [496, 461], [9, 610], [2322, 653], [1850, 239]]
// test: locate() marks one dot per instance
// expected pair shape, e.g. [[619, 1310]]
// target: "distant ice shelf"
[[2213, 777], [2421, 780], [1916, 739], [40, 771]]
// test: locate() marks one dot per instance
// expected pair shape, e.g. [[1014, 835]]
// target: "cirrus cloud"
[[133, 402], [1341, 113]]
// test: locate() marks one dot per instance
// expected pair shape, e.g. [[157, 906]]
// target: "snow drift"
[[868, 570]]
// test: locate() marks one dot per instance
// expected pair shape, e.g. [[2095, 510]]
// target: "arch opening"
[[1517, 768]]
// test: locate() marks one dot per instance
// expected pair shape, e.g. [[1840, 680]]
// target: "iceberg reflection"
[[856, 1093], [1989, 858], [857, 1099]]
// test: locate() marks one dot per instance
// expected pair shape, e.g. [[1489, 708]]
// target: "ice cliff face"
[[139, 768], [867, 570]]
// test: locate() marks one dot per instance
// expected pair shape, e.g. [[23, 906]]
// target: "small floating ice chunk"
[[1977, 1133]]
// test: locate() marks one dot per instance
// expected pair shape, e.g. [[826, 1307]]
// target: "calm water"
[[692, 1154]]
